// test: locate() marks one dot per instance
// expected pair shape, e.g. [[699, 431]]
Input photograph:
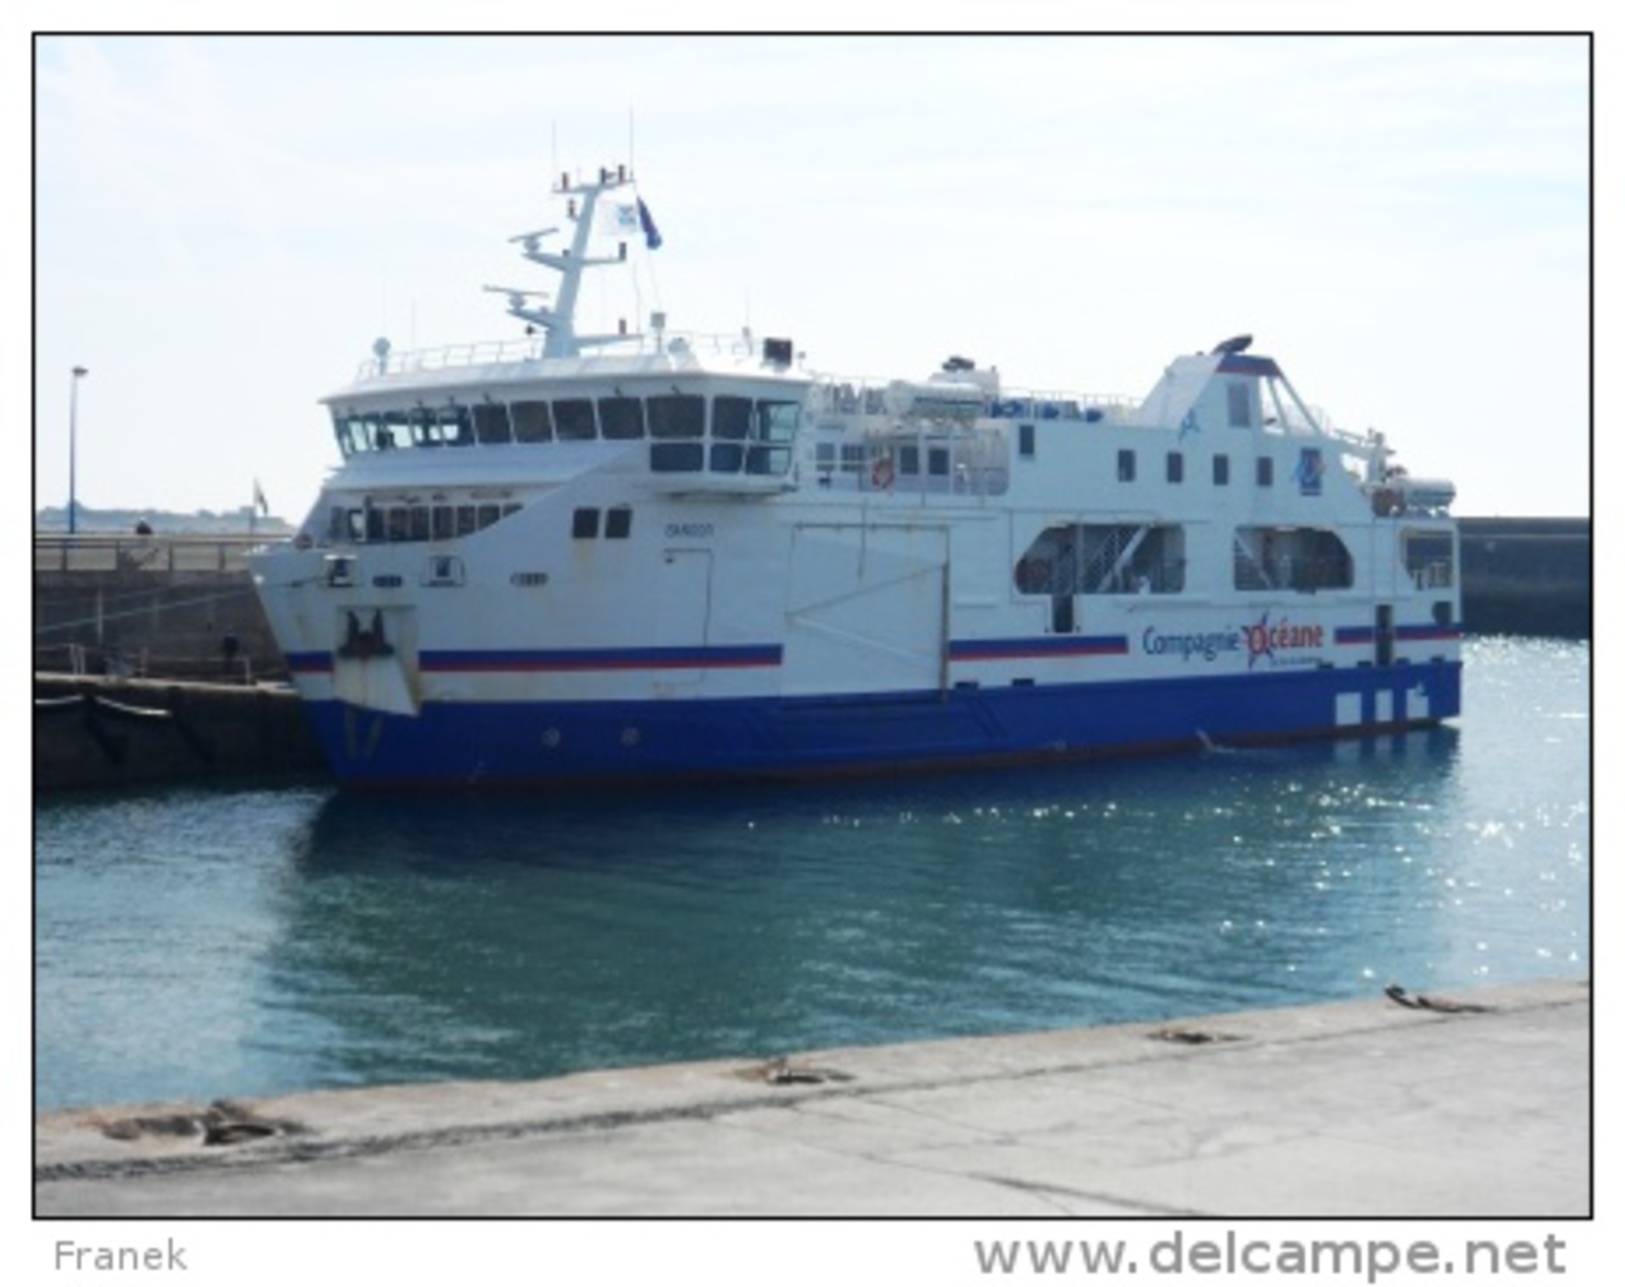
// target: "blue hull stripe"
[[578, 659], [546, 743], [1042, 646], [1405, 634], [532, 661]]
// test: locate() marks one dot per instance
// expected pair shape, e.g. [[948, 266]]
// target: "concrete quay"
[[1362, 1108]]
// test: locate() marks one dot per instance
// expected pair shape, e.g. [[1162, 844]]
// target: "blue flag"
[[651, 234]]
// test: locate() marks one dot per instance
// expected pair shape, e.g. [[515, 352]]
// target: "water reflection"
[[533, 936]]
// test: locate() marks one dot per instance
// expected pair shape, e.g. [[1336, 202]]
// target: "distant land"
[[204, 522]]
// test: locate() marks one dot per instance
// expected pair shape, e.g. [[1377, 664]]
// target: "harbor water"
[[196, 944]]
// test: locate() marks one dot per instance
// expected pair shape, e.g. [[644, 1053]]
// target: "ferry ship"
[[651, 555]]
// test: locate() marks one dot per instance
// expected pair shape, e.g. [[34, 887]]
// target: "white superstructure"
[[653, 554]]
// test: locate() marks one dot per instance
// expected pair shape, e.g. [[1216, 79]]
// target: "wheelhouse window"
[[351, 434], [456, 426], [425, 429], [676, 457], [491, 424], [621, 418], [676, 415], [573, 419], [532, 422], [394, 429], [730, 417]]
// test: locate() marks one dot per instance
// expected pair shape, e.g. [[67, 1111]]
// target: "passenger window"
[[584, 524], [618, 523]]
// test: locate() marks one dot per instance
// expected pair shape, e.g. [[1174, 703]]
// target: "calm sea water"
[[196, 944]]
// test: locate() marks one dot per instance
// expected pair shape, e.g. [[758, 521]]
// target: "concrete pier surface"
[[1475, 1104]]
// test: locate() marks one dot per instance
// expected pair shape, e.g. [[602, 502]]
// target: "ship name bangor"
[[654, 555]]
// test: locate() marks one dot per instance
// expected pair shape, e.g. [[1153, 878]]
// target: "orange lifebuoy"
[[883, 472]]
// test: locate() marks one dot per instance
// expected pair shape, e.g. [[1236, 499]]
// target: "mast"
[[571, 263]]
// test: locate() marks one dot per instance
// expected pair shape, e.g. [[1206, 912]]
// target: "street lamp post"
[[79, 373]]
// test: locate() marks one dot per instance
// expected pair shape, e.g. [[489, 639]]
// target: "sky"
[[223, 225]]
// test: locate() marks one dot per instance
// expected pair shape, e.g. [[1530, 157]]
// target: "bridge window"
[[425, 428], [727, 457], [491, 422], [532, 422], [352, 434], [456, 426], [777, 421], [677, 415], [573, 419], [621, 418], [730, 417], [676, 457], [394, 429]]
